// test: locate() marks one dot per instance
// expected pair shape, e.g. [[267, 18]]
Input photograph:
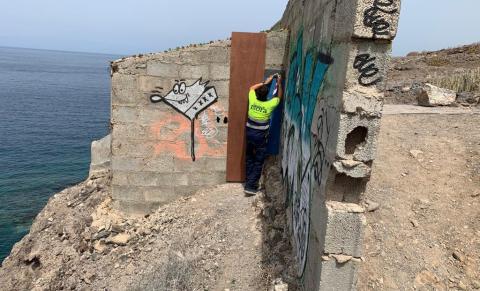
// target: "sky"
[[126, 27]]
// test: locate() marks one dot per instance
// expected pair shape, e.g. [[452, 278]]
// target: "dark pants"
[[256, 153]]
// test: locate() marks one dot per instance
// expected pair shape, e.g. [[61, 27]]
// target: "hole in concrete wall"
[[356, 138], [343, 188]]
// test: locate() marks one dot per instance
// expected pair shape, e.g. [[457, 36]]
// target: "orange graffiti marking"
[[173, 135]]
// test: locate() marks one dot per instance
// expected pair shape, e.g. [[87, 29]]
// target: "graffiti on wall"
[[305, 78], [189, 101], [173, 132], [374, 17], [368, 70]]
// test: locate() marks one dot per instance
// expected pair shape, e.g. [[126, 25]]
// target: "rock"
[[430, 95], [468, 98], [458, 256], [342, 259], [416, 153], [101, 234], [476, 284], [462, 286], [414, 222], [476, 195], [99, 246], [372, 206], [120, 239], [279, 285], [117, 228]]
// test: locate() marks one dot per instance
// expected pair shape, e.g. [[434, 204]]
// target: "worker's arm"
[[268, 81], [280, 87]]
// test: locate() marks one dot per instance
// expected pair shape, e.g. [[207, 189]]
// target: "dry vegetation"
[[467, 81]]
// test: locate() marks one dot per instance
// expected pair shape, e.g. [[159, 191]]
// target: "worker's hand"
[[269, 79], [279, 77]]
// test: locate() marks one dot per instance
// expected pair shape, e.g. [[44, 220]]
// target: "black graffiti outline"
[[155, 97], [365, 64], [376, 22]]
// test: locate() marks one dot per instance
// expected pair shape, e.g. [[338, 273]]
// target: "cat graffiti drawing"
[[190, 101]]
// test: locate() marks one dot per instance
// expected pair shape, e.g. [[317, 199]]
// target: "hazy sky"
[[138, 26]]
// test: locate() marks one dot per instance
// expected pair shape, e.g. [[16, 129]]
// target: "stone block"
[[148, 84], [135, 208], [344, 229], [376, 19], [357, 137], [194, 72], [363, 101], [133, 149], [124, 89], [217, 164], [145, 179], [120, 178], [155, 113], [127, 164], [337, 276], [130, 193], [188, 166], [222, 88], [123, 114], [159, 163], [277, 39], [160, 194], [274, 57], [207, 54], [219, 71], [129, 132], [207, 177], [367, 65], [165, 70], [183, 191]]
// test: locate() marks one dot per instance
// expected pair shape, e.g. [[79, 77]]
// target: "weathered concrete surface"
[[158, 152], [101, 156], [430, 95], [337, 61], [157, 155]]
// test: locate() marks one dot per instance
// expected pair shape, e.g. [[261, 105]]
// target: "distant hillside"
[[456, 69]]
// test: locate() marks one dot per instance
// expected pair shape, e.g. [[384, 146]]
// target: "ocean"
[[52, 106]]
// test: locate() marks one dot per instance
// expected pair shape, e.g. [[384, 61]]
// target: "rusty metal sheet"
[[247, 66]]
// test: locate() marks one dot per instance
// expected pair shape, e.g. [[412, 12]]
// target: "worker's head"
[[262, 93]]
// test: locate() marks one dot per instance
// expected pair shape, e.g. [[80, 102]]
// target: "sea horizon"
[[53, 105]]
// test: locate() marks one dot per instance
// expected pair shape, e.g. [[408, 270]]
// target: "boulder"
[[430, 95]]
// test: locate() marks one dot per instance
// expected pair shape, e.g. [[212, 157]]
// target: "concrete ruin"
[[335, 55]]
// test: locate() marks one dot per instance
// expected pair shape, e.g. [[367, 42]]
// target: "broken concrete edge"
[[101, 158], [141, 59], [351, 168]]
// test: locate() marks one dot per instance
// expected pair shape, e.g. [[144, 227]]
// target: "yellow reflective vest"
[[261, 110]]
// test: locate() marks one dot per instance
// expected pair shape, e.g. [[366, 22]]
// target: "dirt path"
[[426, 234], [413, 109]]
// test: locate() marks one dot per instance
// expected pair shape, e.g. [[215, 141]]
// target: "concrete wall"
[[339, 51], [152, 135], [157, 156]]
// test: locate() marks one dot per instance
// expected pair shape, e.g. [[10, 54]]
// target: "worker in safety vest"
[[259, 112]]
